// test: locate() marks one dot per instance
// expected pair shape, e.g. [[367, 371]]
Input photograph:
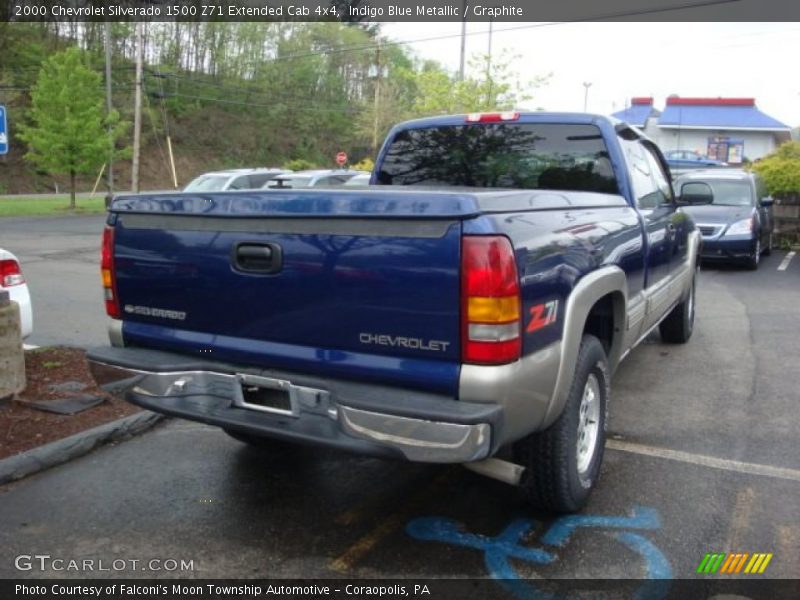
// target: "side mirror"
[[767, 201], [696, 192]]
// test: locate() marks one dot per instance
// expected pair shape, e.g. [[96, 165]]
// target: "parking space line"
[[786, 260], [706, 461], [29, 346], [348, 559], [742, 513], [368, 505]]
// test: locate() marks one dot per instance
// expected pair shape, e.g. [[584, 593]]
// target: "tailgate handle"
[[257, 257]]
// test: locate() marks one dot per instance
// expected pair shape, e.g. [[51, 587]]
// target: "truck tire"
[[562, 463], [677, 327]]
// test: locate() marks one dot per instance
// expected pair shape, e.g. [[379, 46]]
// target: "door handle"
[[256, 257]]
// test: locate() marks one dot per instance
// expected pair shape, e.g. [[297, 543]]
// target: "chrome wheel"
[[588, 424]]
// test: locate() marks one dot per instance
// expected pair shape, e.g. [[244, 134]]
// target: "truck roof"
[[524, 117]]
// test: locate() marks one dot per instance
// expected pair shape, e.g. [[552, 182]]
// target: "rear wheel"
[[768, 249], [677, 327], [755, 257], [562, 463]]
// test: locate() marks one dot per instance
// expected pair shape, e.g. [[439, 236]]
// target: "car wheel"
[[755, 257], [678, 325], [768, 249], [562, 463]]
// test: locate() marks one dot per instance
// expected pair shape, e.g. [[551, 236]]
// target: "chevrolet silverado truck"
[[469, 306]]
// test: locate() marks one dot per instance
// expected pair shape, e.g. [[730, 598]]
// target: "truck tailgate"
[[352, 283]]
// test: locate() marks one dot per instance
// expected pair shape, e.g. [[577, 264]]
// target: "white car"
[[12, 280], [233, 179]]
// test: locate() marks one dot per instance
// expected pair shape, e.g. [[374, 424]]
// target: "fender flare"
[[589, 289]]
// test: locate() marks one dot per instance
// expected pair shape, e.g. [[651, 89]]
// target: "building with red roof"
[[726, 129]]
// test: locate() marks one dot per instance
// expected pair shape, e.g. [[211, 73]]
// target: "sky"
[[622, 60]]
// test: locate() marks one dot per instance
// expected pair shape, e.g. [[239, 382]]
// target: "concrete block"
[[12, 356]]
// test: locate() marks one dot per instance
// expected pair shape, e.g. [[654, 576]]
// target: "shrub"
[[781, 169], [299, 164]]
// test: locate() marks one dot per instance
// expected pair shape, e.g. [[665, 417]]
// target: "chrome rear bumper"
[[316, 414]]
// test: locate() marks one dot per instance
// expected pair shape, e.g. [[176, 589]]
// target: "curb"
[[58, 452]]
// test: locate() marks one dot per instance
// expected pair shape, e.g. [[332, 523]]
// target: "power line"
[[275, 105]]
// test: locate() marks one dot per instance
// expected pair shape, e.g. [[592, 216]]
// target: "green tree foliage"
[[69, 132], [299, 164], [243, 94], [490, 85], [781, 169]]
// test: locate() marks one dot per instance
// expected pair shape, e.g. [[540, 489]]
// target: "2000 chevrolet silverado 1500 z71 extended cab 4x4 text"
[[477, 297]]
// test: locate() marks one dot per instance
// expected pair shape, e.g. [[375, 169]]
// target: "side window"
[[659, 177], [240, 183], [257, 181], [645, 191]]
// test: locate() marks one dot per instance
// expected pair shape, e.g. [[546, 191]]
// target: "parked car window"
[[502, 155], [337, 179], [240, 183], [259, 179], [289, 182], [207, 183]]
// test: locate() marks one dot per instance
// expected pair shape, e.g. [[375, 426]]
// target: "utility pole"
[[109, 108], [463, 40], [376, 105], [137, 109], [490, 100], [586, 86]]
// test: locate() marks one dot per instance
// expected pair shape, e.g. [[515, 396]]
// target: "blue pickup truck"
[[471, 304]]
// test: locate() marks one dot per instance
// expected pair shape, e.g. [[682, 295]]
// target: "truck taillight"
[[10, 273], [490, 313], [107, 271]]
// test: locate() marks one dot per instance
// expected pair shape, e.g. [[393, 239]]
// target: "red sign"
[[341, 158]]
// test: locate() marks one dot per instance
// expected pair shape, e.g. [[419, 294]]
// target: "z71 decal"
[[542, 315]]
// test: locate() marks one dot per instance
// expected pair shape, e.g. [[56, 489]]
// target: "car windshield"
[[290, 182], [731, 193], [501, 155], [207, 183]]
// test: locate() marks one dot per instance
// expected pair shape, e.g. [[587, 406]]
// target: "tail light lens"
[[107, 271], [491, 314], [10, 273]]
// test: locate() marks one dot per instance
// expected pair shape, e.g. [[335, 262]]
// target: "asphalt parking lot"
[[703, 457], [60, 259]]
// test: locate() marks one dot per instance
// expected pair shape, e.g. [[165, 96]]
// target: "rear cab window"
[[547, 156]]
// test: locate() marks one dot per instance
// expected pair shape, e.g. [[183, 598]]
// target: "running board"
[[499, 469]]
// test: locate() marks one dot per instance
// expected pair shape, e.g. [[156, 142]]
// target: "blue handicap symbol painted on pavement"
[[508, 544]]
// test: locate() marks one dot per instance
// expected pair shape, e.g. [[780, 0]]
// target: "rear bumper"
[[362, 418]]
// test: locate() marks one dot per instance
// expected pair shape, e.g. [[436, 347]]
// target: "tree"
[[492, 85], [69, 132], [781, 169]]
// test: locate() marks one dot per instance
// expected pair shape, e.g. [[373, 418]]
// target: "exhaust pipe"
[[499, 469]]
